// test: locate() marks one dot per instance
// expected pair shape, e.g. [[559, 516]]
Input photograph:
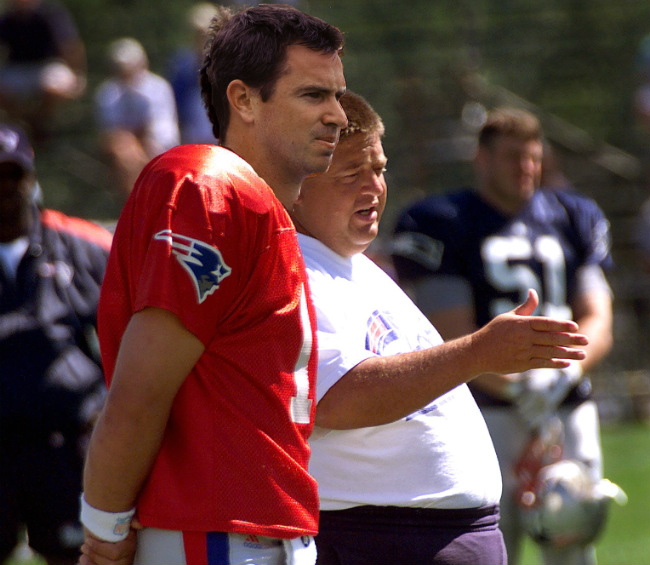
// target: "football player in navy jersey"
[[469, 255]]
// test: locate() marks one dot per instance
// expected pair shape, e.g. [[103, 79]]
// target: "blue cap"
[[15, 147]]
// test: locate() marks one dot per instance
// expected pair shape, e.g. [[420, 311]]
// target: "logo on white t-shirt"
[[380, 333]]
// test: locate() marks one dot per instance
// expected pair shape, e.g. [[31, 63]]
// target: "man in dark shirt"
[[51, 383]]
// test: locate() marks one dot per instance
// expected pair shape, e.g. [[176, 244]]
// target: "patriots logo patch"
[[419, 248], [203, 262]]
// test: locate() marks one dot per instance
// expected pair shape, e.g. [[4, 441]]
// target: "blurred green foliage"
[[572, 58]]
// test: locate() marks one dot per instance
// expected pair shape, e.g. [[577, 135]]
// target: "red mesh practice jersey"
[[205, 238]]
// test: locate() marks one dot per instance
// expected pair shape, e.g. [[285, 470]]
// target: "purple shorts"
[[389, 535]]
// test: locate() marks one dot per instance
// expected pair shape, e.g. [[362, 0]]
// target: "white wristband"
[[108, 526]]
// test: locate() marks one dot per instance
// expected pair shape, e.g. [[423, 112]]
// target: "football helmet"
[[565, 506]]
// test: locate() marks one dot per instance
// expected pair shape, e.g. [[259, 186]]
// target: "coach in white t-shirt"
[[406, 468]]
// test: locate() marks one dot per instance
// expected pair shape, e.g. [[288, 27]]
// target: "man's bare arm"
[[459, 320], [592, 311], [380, 390], [156, 355]]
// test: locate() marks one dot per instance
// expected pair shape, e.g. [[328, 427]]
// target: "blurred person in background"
[[42, 62], [183, 74], [469, 255], [51, 383], [136, 113]]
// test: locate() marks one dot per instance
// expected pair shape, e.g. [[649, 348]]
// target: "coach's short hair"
[[251, 45], [362, 118], [509, 122]]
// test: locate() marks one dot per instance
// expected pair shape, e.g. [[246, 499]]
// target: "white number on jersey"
[[500, 255], [301, 403]]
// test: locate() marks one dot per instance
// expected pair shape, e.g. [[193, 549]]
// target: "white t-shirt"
[[438, 457]]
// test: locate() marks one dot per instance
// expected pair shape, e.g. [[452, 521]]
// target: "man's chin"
[[321, 164]]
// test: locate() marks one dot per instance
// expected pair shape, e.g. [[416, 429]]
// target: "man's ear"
[[242, 100]]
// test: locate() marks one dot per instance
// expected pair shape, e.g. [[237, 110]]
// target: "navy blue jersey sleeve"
[[591, 228], [428, 237]]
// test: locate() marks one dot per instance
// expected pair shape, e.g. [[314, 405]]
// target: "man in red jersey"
[[206, 328]]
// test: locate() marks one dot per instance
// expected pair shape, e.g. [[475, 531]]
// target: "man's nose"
[[336, 115]]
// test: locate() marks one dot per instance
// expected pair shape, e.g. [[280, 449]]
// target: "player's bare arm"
[[380, 390], [592, 310], [156, 354]]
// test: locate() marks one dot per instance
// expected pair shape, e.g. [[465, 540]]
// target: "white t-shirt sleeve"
[[337, 353]]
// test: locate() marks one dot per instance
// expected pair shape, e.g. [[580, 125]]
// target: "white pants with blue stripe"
[[171, 547]]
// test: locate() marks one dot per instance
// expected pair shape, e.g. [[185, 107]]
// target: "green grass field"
[[626, 540]]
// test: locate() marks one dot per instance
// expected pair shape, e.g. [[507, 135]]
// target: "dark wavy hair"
[[251, 45]]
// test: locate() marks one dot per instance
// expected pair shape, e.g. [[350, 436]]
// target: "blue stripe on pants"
[[218, 548]]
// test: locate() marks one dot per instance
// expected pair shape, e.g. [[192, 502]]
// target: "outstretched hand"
[[516, 341], [528, 307]]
